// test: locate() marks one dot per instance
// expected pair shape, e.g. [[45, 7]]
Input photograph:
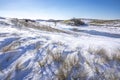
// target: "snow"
[[28, 53]]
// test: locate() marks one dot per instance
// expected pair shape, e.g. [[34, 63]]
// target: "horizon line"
[[59, 19]]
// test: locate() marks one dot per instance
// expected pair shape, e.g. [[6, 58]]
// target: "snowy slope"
[[85, 53]]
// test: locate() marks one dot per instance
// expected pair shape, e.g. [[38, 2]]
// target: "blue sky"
[[60, 9]]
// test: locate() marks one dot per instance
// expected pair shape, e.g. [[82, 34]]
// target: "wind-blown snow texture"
[[85, 53]]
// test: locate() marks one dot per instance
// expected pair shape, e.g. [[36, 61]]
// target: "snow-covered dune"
[[58, 52]]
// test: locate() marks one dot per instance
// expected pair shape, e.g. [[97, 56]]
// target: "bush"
[[77, 22], [74, 22]]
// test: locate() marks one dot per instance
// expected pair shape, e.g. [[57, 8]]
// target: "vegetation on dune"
[[114, 23], [77, 22], [74, 22], [33, 24], [104, 21]]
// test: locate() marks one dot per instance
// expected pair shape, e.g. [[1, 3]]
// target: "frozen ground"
[[84, 53]]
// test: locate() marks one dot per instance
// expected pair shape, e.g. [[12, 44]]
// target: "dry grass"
[[43, 62], [50, 57], [116, 55], [66, 66], [11, 47], [101, 52], [9, 76], [19, 66], [65, 70], [7, 48], [104, 22]]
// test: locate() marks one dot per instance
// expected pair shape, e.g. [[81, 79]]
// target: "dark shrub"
[[74, 22], [77, 22]]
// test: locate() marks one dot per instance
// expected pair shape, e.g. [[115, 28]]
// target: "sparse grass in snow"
[[57, 58]]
